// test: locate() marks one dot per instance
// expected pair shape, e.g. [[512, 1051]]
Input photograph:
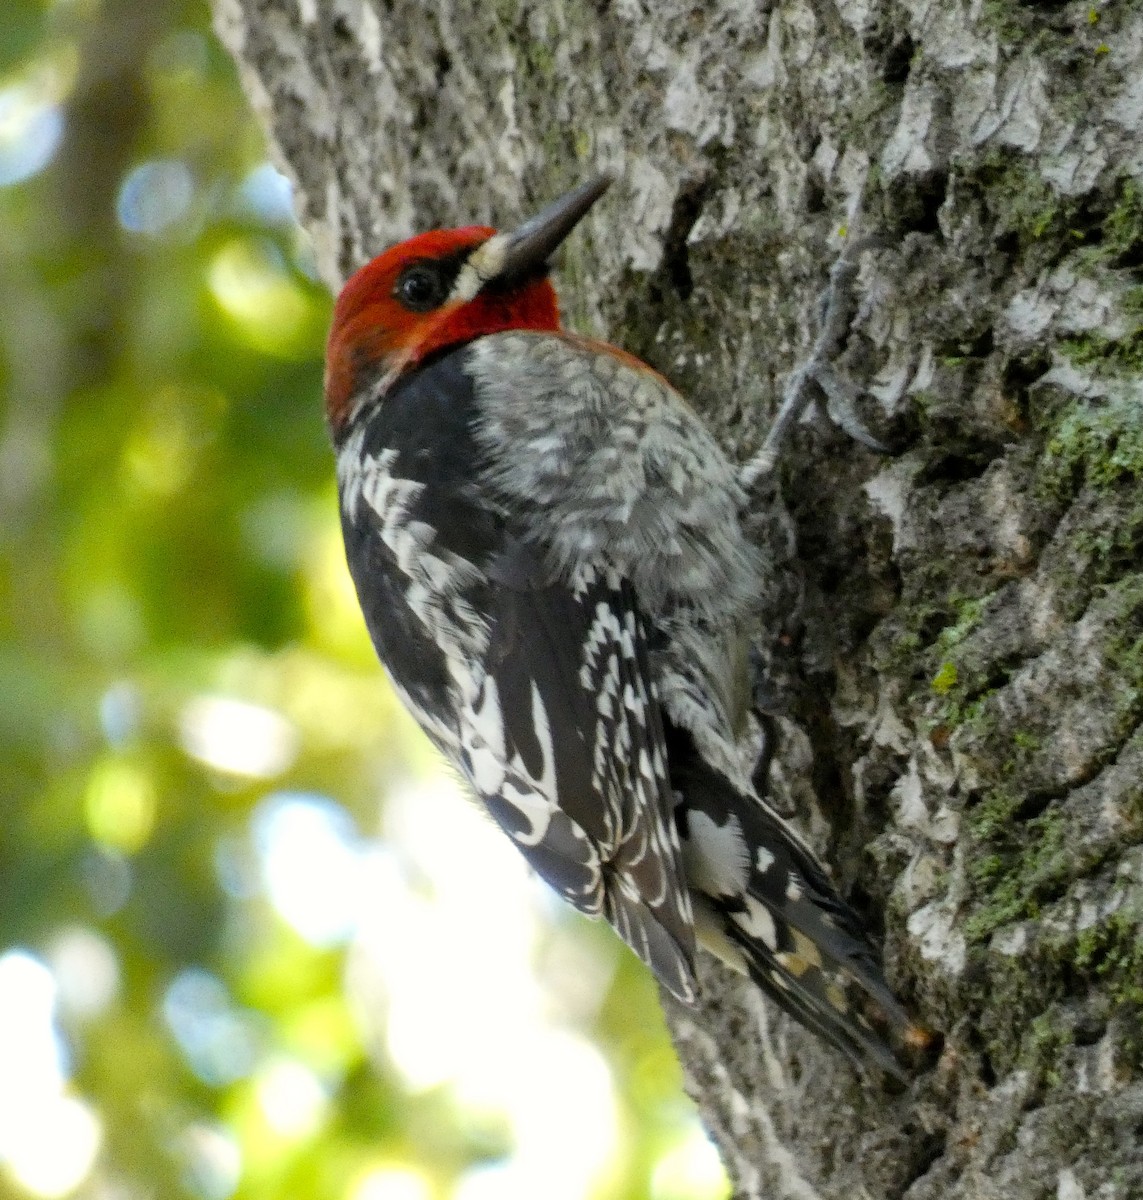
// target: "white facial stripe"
[[483, 264]]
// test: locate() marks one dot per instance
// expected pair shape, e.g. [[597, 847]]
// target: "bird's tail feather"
[[785, 924]]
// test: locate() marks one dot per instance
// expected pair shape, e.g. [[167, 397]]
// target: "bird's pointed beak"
[[531, 245]]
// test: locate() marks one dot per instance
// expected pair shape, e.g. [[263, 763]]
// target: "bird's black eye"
[[420, 287]]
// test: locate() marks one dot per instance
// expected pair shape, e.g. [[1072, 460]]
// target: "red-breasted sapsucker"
[[548, 550]]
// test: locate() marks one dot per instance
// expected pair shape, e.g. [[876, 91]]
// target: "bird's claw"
[[817, 373], [841, 396]]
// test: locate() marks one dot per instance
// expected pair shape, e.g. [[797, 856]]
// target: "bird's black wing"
[[564, 741]]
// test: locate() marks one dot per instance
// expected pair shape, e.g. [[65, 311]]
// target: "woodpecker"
[[548, 549]]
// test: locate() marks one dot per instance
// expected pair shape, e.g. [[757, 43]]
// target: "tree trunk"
[[961, 678]]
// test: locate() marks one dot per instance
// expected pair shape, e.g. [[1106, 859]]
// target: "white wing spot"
[[758, 922], [716, 856]]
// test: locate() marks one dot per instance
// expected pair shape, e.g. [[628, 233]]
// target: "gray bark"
[[963, 675]]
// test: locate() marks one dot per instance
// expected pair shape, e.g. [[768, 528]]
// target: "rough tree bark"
[[963, 678]]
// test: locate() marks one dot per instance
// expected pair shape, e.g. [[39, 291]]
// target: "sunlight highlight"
[[556, 1090], [268, 195], [291, 1097], [311, 864], [392, 1183], [217, 1039], [464, 1006], [250, 280], [52, 1145], [31, 129], [690, 1169], [212, 1160], [31, 1053], [155, 196], [86, 972], [120, 805], [48, 1139], [238, 737]]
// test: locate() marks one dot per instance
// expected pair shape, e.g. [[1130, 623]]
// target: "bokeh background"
[[253, 942]]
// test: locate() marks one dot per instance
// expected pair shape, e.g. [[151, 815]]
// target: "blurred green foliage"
[[181, 659]]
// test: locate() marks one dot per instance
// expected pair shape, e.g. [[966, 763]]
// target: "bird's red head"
[[441, 289], [419, 297]]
